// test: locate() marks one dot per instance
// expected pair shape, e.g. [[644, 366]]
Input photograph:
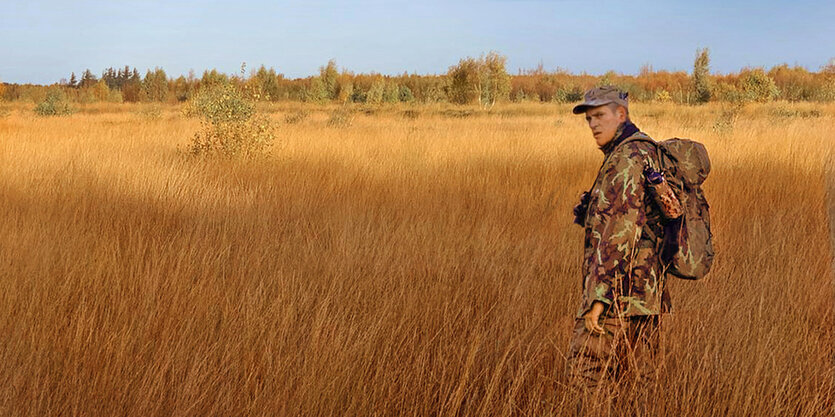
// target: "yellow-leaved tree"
[[484, 80]]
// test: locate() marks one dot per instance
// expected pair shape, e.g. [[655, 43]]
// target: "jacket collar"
[[625, 130]]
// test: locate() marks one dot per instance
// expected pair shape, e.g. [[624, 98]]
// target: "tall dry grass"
[[419, 265]]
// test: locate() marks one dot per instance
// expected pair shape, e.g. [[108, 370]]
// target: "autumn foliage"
[[483, 80]]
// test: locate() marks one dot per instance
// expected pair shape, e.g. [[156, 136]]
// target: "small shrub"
[[459, 114], [521, 111], [827, 91], [296, 117], [569, 94], [727, 119], [150, 112], [411, 114], [220, 103], [339, 118], [368, 110], [54, 104], [656, 113], [246, 139], [230, 126], [788, 113], [758, 86], [663, 96], [729, 93]]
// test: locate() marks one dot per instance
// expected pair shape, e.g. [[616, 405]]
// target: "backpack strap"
[[642, 137]]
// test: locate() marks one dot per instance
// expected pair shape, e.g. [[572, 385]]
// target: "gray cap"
[[599, 96]]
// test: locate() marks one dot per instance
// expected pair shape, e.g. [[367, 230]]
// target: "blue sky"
[[43, 41]]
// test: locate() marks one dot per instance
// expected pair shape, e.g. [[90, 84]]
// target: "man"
[[616, 333]]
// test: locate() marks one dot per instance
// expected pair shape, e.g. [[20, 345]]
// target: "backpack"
[[687, 246]]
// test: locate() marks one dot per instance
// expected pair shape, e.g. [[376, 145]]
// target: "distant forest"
[[483, 80]]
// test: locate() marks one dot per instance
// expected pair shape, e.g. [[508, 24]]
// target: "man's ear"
[[621, 114]]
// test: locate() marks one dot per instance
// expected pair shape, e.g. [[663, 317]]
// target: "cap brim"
[[581, 108]]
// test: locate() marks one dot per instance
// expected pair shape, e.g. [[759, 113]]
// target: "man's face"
[[604, 122]]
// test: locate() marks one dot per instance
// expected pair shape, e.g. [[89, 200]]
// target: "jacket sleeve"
[[616, 220]]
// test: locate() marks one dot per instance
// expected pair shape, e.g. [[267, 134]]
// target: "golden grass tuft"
[[395, 266]]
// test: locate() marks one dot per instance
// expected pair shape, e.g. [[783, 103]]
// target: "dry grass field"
[[406, 263]]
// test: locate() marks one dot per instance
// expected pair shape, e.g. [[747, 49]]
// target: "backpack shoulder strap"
[[640, 136], [643, 137]]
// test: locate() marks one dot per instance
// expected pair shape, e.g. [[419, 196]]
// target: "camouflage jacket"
[[623, 233]]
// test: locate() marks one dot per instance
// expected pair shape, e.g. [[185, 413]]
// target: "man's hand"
[[581, 209], [592, 318]]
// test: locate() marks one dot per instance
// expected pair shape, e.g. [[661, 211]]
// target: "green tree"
[[827, 91], [87, 79], [266, 84], [756, 85], [434, 90], [494, 81], [55, 103], [101, 92], [212, 78], [376, 92], [391, 92], [607, 79], [346, 90], [182, 89], [329, 76], [701, 76], [155, 85], [484, 80], [110, 77], [463, 81], [406, 95], [132, 90], [317, 93]]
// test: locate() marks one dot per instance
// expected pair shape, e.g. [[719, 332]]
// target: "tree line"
[[482, 80]]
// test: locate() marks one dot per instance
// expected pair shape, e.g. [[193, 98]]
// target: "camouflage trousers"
[[627, 358]]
